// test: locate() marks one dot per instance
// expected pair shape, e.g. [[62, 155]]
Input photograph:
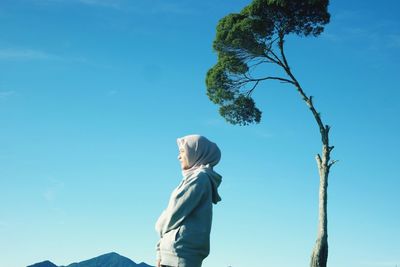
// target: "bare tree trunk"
[[319, 255]]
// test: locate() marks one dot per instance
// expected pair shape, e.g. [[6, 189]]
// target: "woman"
[[184, 226]]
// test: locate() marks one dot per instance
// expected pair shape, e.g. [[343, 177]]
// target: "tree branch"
[[331, 163], [319, 161], [257, 81], [252, 89], [273, 78], [258, 63], [280, 44], [250, 79], [275, 59], [324, 131]]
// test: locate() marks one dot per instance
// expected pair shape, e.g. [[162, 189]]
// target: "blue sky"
[[94, 93]]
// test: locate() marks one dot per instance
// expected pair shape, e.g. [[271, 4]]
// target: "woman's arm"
[[159, 224], [184, 201]]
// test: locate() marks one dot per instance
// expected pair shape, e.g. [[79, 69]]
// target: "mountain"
[[107, 260], [43, 264]]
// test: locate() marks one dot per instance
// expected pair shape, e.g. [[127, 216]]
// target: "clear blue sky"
[[94, 93]]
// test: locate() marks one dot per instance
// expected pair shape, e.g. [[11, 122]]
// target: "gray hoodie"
[[185, 225]]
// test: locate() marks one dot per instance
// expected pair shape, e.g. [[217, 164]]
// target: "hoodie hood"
[[202, 155], [216, 180]]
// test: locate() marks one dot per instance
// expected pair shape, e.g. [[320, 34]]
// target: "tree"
[[255, 37]]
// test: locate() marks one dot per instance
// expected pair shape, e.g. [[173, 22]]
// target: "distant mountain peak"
[[110, 254], [43, 264], [111, 259]]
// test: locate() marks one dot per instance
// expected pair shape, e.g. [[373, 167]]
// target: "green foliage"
[[245, 37], [302, 17], [219, 86], [242, 111], [237, 33]]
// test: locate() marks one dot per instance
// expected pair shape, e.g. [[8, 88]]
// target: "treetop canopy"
[[242, 38]]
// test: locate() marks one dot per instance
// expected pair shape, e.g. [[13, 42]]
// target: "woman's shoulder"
[[200, 176]]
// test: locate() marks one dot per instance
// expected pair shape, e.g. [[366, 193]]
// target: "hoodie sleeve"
[[183, 201], [160, 222]]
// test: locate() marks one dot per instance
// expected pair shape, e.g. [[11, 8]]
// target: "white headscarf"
[[202, 154]]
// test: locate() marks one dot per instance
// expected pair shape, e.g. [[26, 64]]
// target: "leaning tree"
[[256, 37]]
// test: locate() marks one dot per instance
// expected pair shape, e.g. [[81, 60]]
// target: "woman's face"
[[182, 157]]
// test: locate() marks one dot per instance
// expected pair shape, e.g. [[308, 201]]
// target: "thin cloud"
[[345, 15], [25, 54], [3, 226], [115, 4], [382, 263], [380, 34], [393, 40], [373, 38], [373, 44], [112, 92], [6, 94], [136, 7], [49, 194], [214, 122], [102, 3], [264, 134], [52, 191], [171, 8]]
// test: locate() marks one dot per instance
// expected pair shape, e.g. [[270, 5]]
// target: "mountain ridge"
[[111, 259], [43, 264]]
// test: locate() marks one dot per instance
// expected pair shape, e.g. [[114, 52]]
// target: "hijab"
[[202, 154]]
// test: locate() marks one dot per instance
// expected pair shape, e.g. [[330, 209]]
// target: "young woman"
[[184, 226]]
